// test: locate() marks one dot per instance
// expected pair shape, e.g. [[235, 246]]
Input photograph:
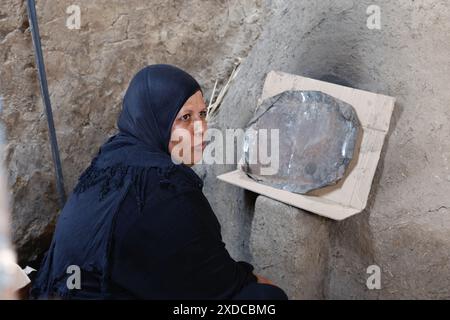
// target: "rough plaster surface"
[[406, 226], [290, 247], [88, 71]]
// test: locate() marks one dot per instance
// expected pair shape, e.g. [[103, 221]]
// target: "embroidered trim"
[[111, 178]]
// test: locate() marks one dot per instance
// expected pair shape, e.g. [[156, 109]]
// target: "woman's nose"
[[199, 127]]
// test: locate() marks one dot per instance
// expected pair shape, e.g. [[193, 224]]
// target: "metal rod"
[[31, 9]]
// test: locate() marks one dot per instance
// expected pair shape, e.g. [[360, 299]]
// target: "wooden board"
[[349, 196]]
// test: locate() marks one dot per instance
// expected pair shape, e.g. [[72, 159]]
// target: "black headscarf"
[[151, 103], [84, 230]]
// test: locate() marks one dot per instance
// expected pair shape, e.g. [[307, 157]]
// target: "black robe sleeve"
[[174, 250]]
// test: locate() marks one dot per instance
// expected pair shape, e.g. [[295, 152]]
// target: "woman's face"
[[186, 142]]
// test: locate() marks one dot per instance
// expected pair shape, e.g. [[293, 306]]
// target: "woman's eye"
[[185, 117], [203, 114]]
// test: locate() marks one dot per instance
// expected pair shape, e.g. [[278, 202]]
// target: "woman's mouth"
[[201, 145]]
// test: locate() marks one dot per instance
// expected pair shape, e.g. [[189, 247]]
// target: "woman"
[[137, 224]]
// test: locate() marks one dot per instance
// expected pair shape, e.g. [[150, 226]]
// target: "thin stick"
[[213, 107], [211, 99]]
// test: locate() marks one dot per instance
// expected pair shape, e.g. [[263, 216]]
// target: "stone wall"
[[88, 70]]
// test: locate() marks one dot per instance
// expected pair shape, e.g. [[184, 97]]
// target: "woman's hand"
[[263, 280]]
